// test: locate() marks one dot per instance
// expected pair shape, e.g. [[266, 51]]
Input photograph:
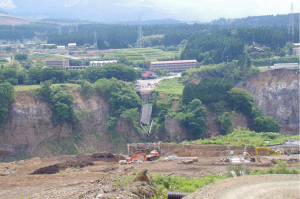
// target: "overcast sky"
[[212, 9], [200, 10]]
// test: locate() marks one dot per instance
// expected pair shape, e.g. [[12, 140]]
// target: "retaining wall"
[[186, 150]]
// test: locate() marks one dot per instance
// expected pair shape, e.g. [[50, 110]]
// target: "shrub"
[[87, 89], [12, 81]]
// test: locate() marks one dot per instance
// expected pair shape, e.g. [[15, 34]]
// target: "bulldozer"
[[154, 155], [272, 152]]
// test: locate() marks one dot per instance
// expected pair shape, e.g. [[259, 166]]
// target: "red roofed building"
[[149, 75]]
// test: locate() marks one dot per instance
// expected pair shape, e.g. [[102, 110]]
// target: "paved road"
[[143, 84]]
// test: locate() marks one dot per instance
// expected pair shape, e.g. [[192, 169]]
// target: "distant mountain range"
[[105, 11]]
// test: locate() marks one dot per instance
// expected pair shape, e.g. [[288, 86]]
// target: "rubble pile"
[[81, 160]]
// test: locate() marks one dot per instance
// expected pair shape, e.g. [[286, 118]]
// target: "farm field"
[[141, 54]]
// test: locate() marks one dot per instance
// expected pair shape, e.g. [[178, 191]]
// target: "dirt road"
[[251, 187]]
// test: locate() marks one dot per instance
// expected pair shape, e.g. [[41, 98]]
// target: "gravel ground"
[[257, 186]]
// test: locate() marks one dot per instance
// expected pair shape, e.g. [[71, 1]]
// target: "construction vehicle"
[[272, 152], [154, 155]]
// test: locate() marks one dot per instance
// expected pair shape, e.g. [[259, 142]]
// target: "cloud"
[[7, 4]]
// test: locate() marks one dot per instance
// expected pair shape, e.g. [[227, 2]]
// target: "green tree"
[[248, 63], [34, 75], [45, 91], [12, 81], [21, 57], [62, 106], [9, 73], [189, 93], [75, 62], [259, 124], [86, 89], [226, 124], [271, 125], [63, 111], [124, 99], [131, 115], [193, 119], [39, 63], [6, 98], [240, 100], [266, 124], [94, 73], [47, 73], [28, 63], [282, 53]]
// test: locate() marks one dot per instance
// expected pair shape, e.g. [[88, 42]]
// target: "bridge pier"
[[145, 95]]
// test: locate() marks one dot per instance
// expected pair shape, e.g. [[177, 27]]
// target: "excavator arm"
[[138, 155], [261, 148], [272, 152]]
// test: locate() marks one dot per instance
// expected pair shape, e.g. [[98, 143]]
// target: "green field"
[[170, 86], [47, 56], [21, 88], [141, 54], [245, 137]]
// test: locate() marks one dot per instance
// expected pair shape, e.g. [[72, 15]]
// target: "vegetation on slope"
[[170, 86], [6, 98], [245, 137]]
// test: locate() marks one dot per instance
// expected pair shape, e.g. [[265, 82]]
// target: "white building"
[[72, 46], [285, 65], [61, 47], [101, 63]]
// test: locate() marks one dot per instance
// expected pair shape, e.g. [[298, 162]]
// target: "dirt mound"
[[107, 156], [52, 169], [81, 160]]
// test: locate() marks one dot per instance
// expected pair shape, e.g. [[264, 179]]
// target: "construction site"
[[106, 175]]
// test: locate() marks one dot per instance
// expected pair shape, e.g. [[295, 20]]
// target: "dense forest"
[[254, 21], [214, 47]]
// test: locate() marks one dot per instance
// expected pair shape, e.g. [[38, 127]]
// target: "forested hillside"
[[253, 21], [228, 45]]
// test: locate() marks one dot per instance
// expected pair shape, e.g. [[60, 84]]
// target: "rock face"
[[29, 123], [277, 93], [175, 133], [213, 125]]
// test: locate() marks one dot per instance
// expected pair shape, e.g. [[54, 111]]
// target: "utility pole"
[[140, 38], [59, 29], [95, 44], [291, 25]]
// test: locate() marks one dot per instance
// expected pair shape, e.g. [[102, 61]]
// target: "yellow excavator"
[[272, 152]]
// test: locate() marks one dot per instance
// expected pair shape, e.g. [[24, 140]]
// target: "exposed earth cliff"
[[30, 131], [277, 93]]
